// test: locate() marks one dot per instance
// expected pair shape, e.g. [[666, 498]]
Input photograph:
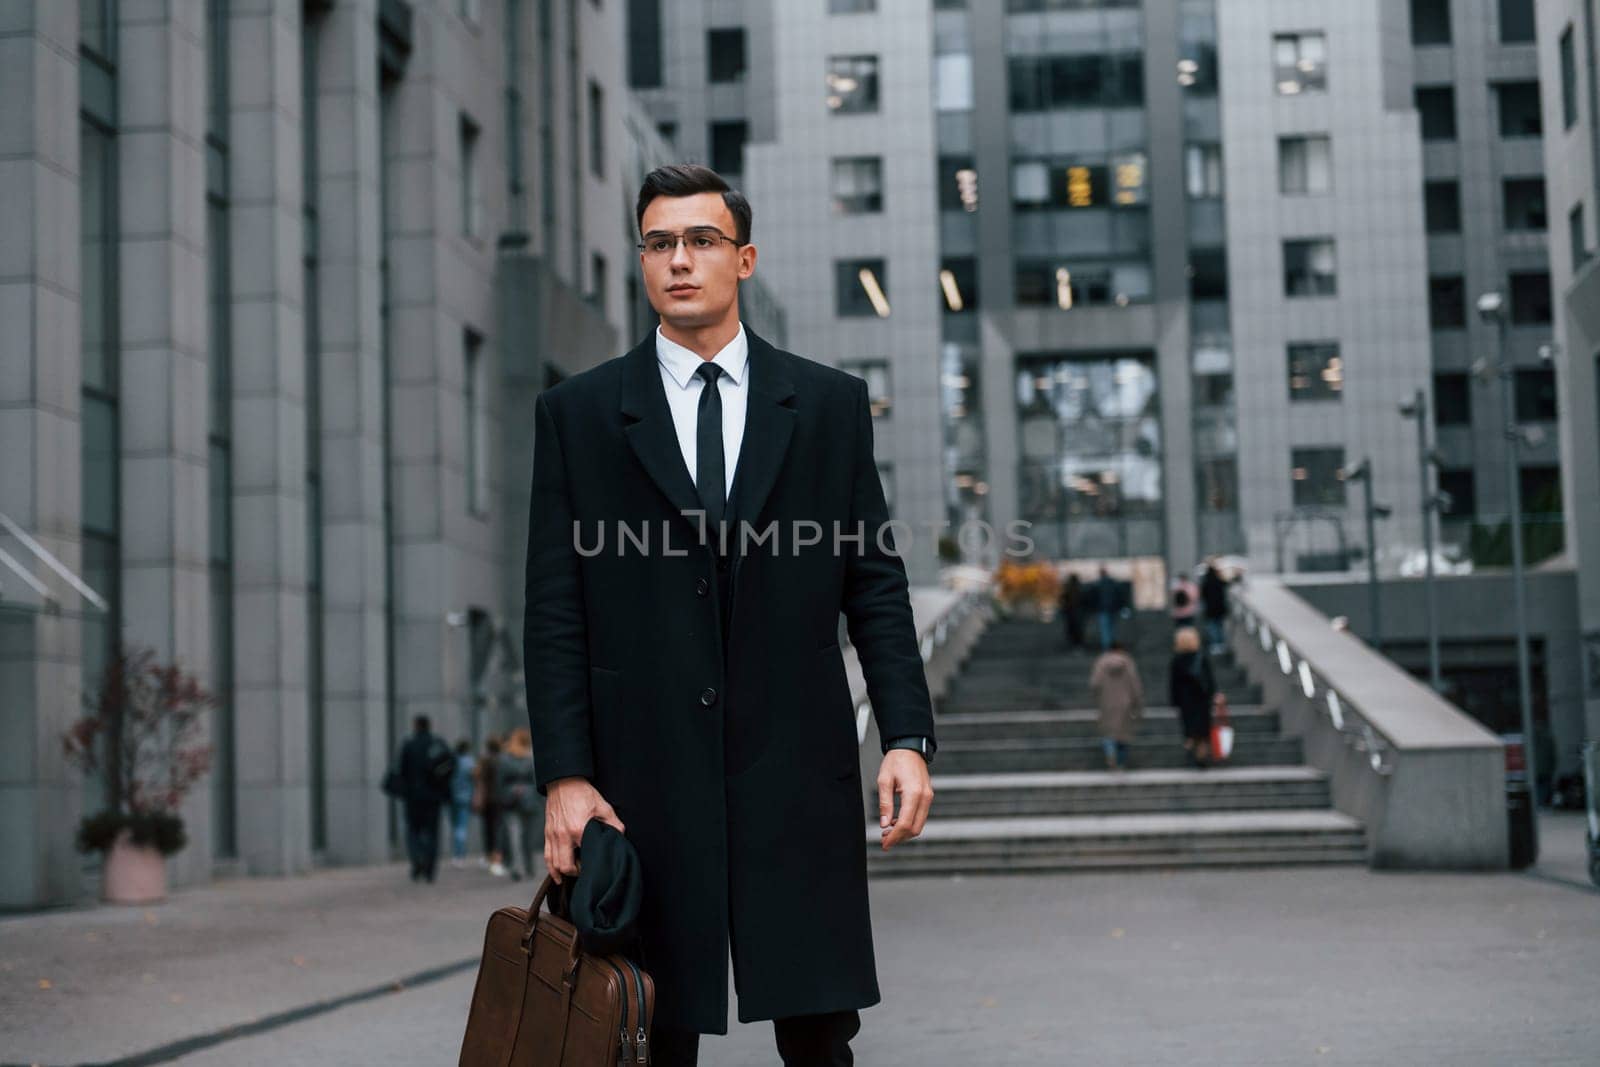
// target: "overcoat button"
[[702, 587], [708, 696]]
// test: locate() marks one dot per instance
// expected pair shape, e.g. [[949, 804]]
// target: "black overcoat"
[[733, 764]]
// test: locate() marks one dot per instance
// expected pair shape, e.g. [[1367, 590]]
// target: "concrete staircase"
[[1020, 782]]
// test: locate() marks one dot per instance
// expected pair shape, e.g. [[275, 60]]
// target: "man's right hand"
[[569, 805]]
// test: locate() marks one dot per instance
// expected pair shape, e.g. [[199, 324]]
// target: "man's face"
[[694, 283]]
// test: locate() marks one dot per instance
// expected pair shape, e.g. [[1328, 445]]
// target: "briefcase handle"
[[545, 889]]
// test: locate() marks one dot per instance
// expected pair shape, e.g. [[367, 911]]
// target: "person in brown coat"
[[1119, 694]]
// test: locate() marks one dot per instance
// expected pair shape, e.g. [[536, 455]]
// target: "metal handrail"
[[49, 560]]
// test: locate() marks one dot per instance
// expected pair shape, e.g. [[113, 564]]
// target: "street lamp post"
[[1362, 472], [1491, 307], [1417, 408]]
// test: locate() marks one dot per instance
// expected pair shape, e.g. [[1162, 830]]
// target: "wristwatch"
[[922, 745]]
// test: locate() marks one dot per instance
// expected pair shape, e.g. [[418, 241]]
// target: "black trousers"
[[803, 1041]]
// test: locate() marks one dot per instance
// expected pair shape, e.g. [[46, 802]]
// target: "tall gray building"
[[1475, 73], [1569, 71], [281, 279]]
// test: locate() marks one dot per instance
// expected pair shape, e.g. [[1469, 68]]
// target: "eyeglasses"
[[659, 244]]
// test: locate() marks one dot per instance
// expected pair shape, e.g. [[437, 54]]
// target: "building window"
[[957, 181], [668, 131], [599, 283], [875, 372], [1519, 109], [852, 84], [857, 185], [1517, 23], [958, 283], [1048, 83], [1523, 202], [644, 44], [851, 7], [1080, 182], [475, 395], [952, 81], [1318, 475], [1461, 486], [1310, 268], [861, 288], [1447, 302], [1540, 490], [1436, 105], [1452, 399], [597, 128], [1316, 371], [1530, 299], [1578, 237], [1300, 62], [725, 58], [1202, 171], [727, 146], [1430, 22], [1208, 274], [1536, 394], [1441, 202], [1569, 79], [1305, 165], [471, 191], [1081, 284], [886, 483]]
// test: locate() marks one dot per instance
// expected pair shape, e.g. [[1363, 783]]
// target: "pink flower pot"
[[133, 874]]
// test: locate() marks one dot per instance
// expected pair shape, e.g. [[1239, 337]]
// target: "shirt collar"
[[681, 362]]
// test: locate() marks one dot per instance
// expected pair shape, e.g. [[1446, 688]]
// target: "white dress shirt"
[[683, 385]]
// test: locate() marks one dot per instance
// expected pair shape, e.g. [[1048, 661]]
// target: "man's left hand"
[[903, 772]]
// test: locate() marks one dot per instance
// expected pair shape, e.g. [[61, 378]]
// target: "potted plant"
[[143, 734]]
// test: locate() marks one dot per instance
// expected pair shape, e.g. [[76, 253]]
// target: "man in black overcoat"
[[704, 508]]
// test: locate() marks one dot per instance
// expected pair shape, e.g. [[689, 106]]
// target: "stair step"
[[1069, 754], [1079, 722], [1128, 792], [980, 846]]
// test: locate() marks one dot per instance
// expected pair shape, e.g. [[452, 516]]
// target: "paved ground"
[[1324, 965]]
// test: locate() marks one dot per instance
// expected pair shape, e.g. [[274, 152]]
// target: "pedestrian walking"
[[521, 807], [695, 697], [461, 792], [1119, 694], [425, 766], [1072, 610], [485, 801], [1214, 608], [1106, 598], [1191, 688], [1185, 601]]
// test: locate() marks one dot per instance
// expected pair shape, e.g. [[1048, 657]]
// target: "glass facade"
[[311, 28], [224, 816], [98, 304], [1214, 419], [1089, 477]]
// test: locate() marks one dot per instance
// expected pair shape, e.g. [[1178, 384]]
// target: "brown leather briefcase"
[[541, 1001]]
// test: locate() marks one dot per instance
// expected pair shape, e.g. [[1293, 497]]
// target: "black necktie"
[[709, 479]]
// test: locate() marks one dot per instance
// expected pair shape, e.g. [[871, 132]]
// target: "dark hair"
[[422, 724], [687, 179], [463, 746]]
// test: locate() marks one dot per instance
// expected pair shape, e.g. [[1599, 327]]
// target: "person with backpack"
[[421, 780], [521, 807]]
